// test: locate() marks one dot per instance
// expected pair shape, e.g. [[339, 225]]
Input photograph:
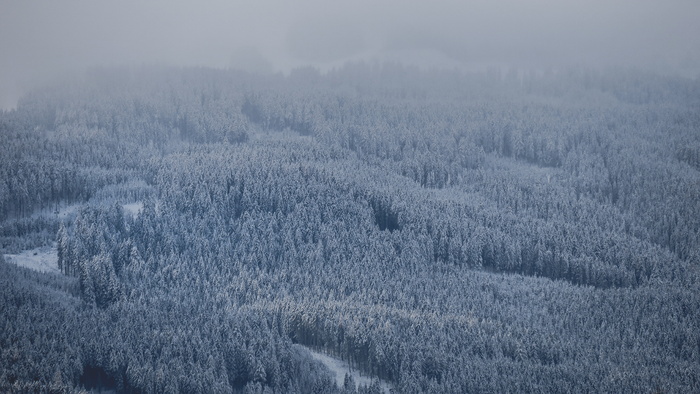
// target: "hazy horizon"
[[41, 39]]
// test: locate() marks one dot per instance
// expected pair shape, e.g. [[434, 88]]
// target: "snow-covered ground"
[[63, 213], [339, 368], [133, 208], [43, 259], [68, 212]]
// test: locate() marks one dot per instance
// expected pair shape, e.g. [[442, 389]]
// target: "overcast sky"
[[42, 38]]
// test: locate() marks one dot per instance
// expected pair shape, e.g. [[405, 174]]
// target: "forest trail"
[[339, 368]]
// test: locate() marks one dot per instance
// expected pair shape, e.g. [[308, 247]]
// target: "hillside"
[[442, 231]]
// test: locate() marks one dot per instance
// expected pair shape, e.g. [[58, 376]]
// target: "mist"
[[42, 39]]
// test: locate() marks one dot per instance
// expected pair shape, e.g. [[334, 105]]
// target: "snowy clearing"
[[339, 368], [43, 259], [70, 211], [133, 208], [63, 212]]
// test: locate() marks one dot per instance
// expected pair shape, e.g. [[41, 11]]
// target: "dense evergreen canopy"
[[442, 231]]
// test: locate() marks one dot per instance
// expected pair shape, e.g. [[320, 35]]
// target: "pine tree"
[[62, 248]]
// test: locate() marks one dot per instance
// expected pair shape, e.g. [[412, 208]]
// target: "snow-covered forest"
[[437, 231]]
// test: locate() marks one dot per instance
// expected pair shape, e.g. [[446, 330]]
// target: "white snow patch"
[[67, 211], [133, 208], [339, 368], [62, 213], [43, 259]]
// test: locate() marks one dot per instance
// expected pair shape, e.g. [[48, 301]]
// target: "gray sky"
[[40, 39]]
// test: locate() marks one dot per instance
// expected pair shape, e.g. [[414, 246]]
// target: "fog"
[[40, 39]]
